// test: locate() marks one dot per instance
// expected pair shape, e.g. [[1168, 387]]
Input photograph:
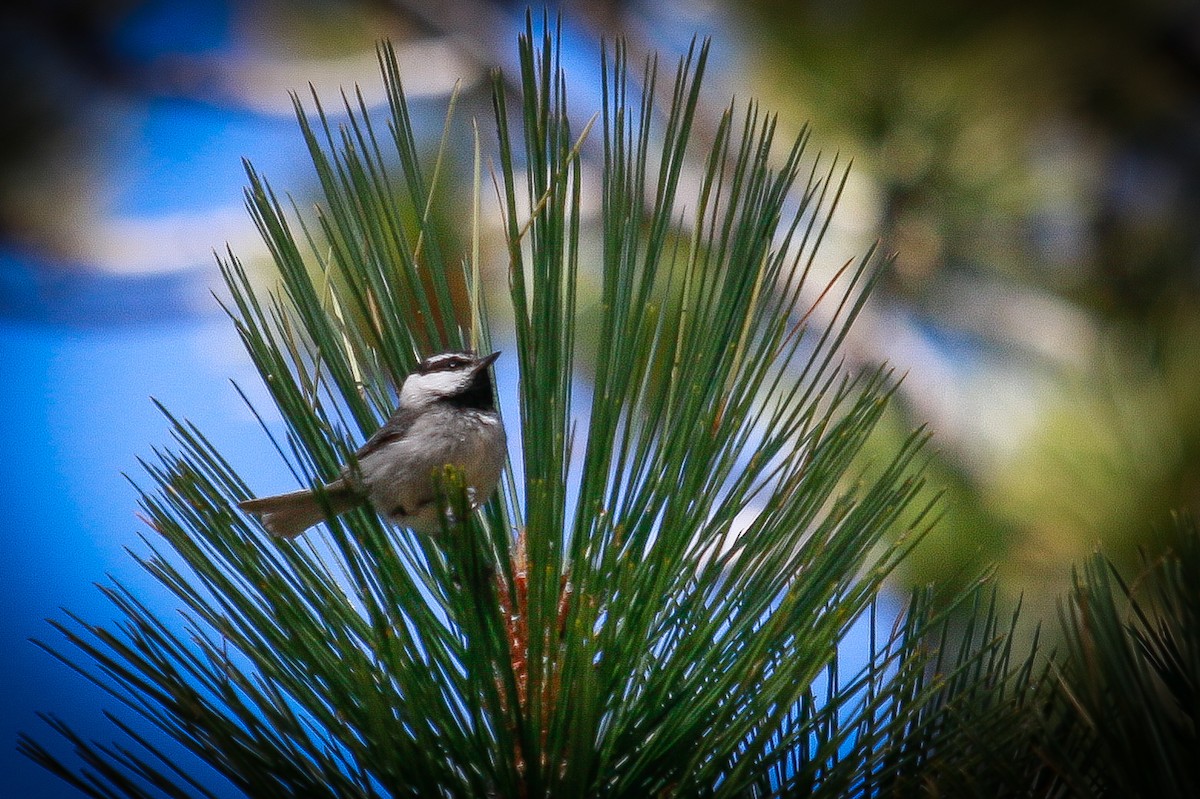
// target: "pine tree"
[[653, 603]]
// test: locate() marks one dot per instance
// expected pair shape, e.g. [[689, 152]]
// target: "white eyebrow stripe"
[[446, 360]]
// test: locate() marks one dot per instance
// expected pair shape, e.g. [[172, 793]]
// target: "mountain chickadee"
[[446, 416]]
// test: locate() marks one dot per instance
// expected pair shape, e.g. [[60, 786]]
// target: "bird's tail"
[[289, 515]]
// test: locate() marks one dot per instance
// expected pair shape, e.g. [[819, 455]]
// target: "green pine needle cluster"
[[655, 607]]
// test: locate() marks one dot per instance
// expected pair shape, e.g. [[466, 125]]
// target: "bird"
[[446, 416]]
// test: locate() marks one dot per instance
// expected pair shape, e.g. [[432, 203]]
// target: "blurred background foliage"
[[1035, 168]]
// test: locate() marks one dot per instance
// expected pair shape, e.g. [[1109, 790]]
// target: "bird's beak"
[[486, 361]]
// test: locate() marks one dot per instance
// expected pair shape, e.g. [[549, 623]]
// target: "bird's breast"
[[399, 474]]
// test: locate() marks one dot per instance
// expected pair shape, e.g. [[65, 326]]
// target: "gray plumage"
[[446, 416]]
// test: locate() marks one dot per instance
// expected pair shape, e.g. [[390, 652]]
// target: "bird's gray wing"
[[394, 429]]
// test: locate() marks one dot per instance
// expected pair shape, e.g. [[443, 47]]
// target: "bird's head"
[[459, 378]]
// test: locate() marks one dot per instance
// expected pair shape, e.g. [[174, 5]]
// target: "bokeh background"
[[1034, 167]]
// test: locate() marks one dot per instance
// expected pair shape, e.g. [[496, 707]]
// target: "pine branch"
[[657, 608]]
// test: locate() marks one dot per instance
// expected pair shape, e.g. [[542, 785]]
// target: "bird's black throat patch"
[[477, 396]]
